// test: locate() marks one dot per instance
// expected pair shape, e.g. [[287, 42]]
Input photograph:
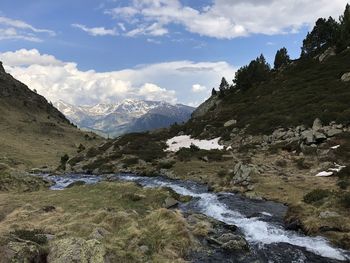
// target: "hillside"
[[296, 95], [127, 116], [32, 132]]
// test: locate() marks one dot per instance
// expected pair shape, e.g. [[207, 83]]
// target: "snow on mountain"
[[129, 115]]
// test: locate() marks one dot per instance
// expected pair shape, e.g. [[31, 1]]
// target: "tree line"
[[326, 33]]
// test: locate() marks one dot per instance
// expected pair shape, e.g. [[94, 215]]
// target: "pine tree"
[[213, 92], [223, 85], [281, 58], [344, 39]]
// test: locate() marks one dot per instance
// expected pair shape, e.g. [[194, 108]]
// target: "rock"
[[48, 208], [330, 132], [242, 173], [328, 214], [317, 125], [308, 137], [76, 183], [346, 77], [21, 252], [230, 123], [170, 202], [232, 242], [327, 54], [99, 233], [76, 250], [202, 109], [144, 249], [319, 137]]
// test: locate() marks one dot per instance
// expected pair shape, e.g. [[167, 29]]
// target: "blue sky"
[[123, 41]]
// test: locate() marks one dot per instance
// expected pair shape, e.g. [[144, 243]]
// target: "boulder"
[[21, 252], [317, 125], [327, 54], [232, 242], [320, 137], [328, 214], [242, 173], [76, 250], [230, 123], [346, 77], [170, 202], [308, 137], [330, 131]]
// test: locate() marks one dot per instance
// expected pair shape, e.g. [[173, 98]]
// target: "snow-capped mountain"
[[127, 116]]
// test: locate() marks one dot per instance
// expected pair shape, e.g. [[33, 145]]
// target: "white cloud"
[[96, 31], [24, 57], [58, 80], [20, 30], [198, 88], [226, 19]]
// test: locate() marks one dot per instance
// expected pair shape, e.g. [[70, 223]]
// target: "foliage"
[[282, 58], [344, 38], [324, 34], [36, 235], [316, 196], [256, 72]]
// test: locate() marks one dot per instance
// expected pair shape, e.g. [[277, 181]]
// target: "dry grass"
[[34, 139], [128, 224]]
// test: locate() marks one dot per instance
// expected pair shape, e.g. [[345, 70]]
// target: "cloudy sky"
[[91, 51]]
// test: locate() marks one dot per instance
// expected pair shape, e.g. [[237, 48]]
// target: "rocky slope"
[[32, 131], [128, 116]]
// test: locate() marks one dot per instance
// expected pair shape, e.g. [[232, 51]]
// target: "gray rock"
[[330, 131], [206, 106], [308, 136], [327, 54], [346, 77], [242, 173], [170, 202], [230, 123], [319, 137], [328, 214], [317, 125]]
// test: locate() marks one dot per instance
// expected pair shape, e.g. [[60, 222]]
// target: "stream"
[[260, 222]]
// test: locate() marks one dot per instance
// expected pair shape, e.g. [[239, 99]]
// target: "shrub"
[[344, 173], [131, 161], [281, 163], [345, 200], [222, 173], [301, 164], [316, 196], [343, 184], [166, 165], [36, 235]]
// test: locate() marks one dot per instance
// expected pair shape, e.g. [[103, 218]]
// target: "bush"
[[316, 196], [343, 184], [36, 235], [301, 164], [345, 200], [131, 161], [281, 163], [222, 173]]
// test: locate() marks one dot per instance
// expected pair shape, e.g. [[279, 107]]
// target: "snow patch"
[[324, 174], [330, 171], [185, 141], [335, 147]]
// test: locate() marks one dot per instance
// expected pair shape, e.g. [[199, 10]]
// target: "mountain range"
[[129, 115]]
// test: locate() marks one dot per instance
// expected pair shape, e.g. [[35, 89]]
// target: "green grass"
[[316, 195]]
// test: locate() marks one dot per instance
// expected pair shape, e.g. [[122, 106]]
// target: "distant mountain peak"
[[129, 115]]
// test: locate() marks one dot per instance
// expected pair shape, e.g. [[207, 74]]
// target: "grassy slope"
[[130, 216], [305, 90], [32, 132]]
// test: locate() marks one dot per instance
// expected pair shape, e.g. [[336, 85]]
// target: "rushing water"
[[259, 221]]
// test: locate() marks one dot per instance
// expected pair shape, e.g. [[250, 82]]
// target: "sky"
[[86, 52]]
